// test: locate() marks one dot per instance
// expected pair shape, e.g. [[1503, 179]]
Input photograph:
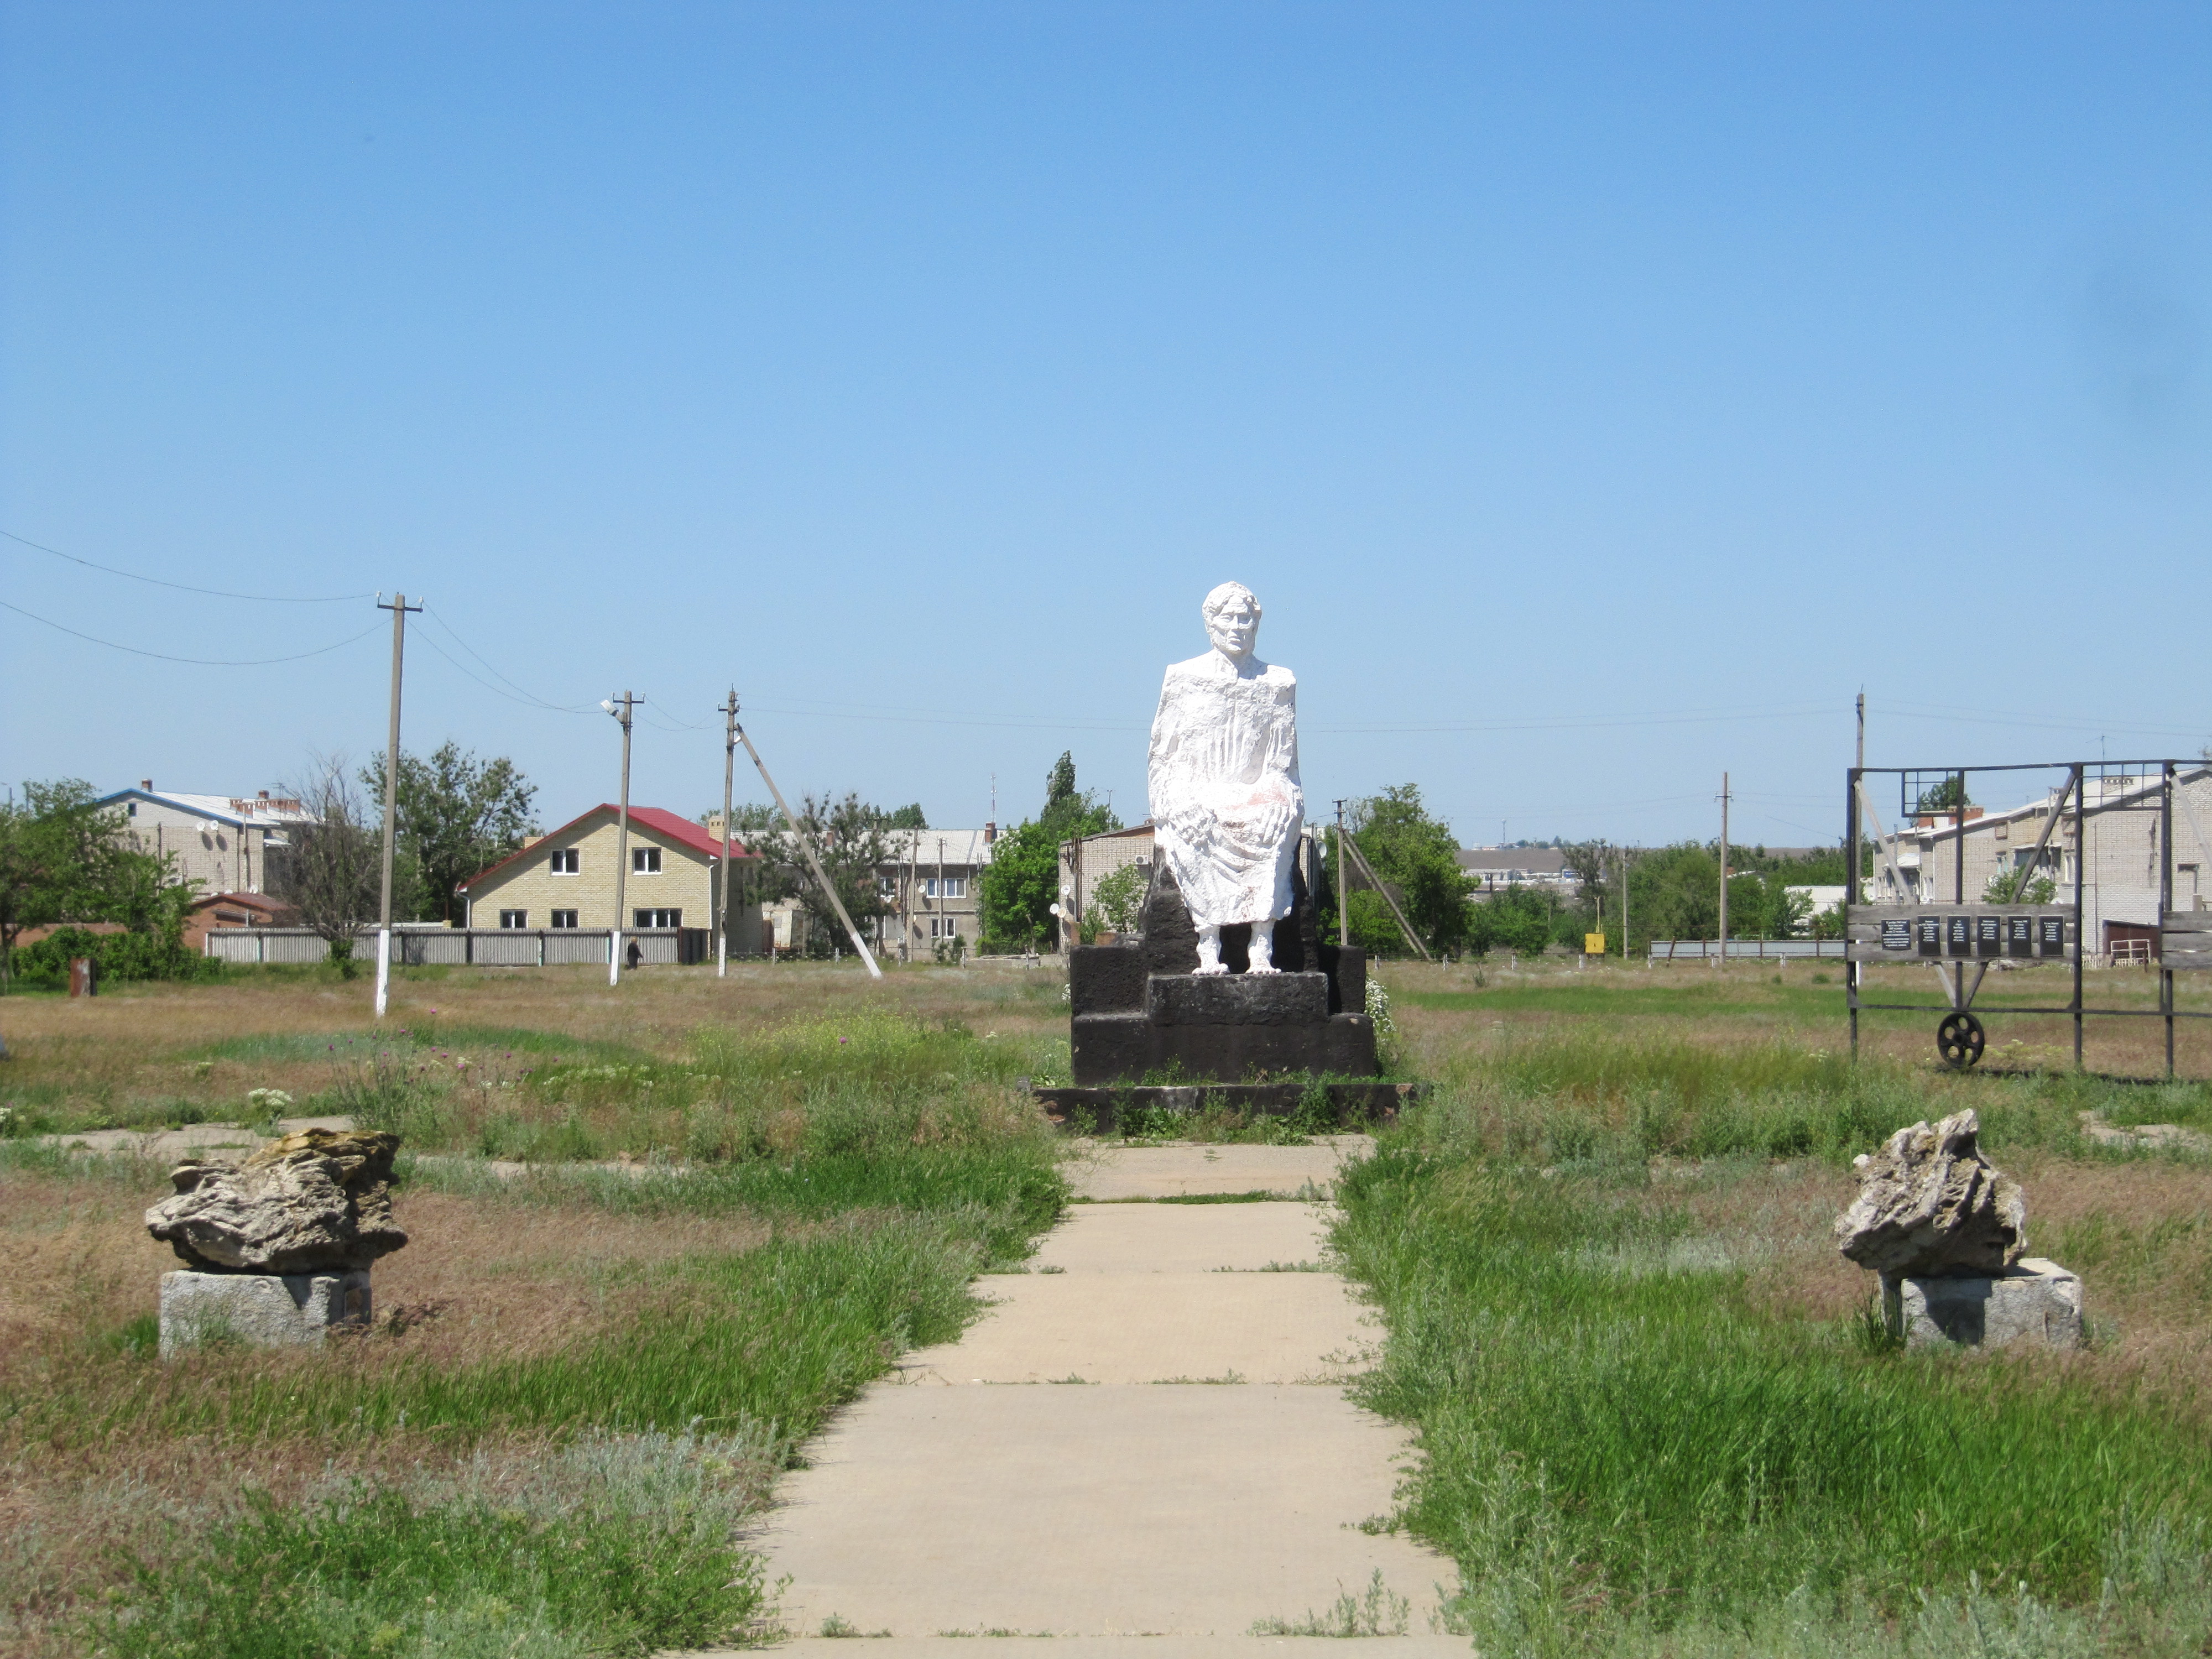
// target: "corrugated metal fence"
[[481, 947], [1747, 949]]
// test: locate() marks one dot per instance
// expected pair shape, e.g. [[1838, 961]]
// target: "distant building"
[[1084, 864], [215, 910], [224, 842], [930, 884], [1496, 868], [567, 878]]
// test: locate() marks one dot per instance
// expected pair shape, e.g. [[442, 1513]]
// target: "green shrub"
[[117, 956]]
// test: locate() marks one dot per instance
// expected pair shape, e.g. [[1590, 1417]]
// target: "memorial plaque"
[[1989, 936], [1958, 936], [1929, 930], [2050, 936], [2019, 936], [1897, 935]]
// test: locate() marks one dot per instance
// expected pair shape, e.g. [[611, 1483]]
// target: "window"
[[644, 861], [944, 927], [515, 918], [886, 886], [564, 918], [134, 809], [950, 887], [657, 919], [565, 862]]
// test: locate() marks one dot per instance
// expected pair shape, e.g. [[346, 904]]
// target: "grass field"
[[1652, 1416]]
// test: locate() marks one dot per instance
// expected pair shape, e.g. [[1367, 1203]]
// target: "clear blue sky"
[[1597, 396]]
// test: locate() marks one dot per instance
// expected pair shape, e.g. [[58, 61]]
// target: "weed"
[[1379, 1611]]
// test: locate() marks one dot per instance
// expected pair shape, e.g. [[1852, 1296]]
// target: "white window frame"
[[644, 861], [559, 922], [564, 861], [650, 916], [956, 887], [517, 918]]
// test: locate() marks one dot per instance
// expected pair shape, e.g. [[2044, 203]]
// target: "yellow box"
[[1594, 945]]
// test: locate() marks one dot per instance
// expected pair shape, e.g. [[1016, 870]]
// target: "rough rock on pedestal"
[[2033, 1301], [1930, 1205], [317, 1201]]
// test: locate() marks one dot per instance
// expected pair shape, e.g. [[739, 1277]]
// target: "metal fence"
[[1747, 949], [480, 947]]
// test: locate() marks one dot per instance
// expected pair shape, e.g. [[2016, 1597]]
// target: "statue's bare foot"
[[1263, 949], [1209, 951], [1206, 968]]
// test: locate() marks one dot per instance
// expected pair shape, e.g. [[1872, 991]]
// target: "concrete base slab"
[[265, 1311], [1156, 1327], [1129, 1172], [2034, 1301], [1167, 1238], [1127, 1647], [1177, 1511]]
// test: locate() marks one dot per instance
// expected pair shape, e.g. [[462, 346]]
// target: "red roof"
[[659, 820]]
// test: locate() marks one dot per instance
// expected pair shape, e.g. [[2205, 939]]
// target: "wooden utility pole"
[[1724, 852], [729, 767], [398, 608], [623, 710]]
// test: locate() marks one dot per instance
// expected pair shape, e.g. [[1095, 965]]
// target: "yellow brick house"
[[567, 878]]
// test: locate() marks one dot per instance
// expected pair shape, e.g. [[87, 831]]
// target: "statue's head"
[[1232, 619]]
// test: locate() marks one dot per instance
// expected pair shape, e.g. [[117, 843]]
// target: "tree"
[[1017, 890], [906, 817], [1119, 899], [2019, 887], [333, 874], [456, 815], [848, 837], [1417, 857], [1949, 796], [64, 858]]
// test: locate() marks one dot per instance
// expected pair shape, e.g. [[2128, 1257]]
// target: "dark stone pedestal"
[[1141, 1013], [1099, 1111]]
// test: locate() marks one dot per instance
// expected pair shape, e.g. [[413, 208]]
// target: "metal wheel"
[[1960, 1040]]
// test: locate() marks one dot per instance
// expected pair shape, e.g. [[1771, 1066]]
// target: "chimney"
[[264, 794], [990, 831], [147, 784]]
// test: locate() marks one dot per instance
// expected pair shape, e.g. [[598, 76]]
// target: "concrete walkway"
[[1141, 1448]]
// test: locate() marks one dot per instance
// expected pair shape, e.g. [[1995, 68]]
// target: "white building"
[[224, 842]]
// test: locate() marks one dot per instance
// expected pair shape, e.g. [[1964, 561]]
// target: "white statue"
[[1226, 805]]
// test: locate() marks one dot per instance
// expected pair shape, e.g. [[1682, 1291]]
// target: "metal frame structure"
[[1957, 1012]]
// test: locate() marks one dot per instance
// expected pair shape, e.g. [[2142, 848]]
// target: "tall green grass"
[[1614, 1439]]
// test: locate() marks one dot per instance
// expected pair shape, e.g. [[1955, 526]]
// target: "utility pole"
[[1624, 906], [626, 708], [398, 608], [1851, 874], [1724, 852], [1343, 887], [807, 847], [729, 766]]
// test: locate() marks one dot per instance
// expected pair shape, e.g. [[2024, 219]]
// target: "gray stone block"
[[266, 1310], [1106, 979], [1237, 999], [2034, 1301]]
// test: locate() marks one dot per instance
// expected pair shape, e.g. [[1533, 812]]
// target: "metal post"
[[622, 837], [2164, 907], [729, 765], [2081, 858], [398, 608]]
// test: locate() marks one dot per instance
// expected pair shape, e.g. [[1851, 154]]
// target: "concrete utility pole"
[[1724, 852], [729, 767], [1344, 887], [623, 711], [398, 608], [807, 847]]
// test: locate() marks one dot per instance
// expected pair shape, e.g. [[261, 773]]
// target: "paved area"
[[1204, 1475], [1105, 1176], [215, 1143]]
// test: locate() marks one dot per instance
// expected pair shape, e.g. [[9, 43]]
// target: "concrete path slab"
[[1156, 1327], [1140, 1511], [1130, 1647], [1108, 1173], [1093, 1512], [212, 1143], [1170, 1238]]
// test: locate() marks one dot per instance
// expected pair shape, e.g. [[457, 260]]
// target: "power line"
[[520, 694], [186, 587], [197, 662]]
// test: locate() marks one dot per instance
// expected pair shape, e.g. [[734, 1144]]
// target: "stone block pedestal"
[[2035, 1301], [266, 1310]]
